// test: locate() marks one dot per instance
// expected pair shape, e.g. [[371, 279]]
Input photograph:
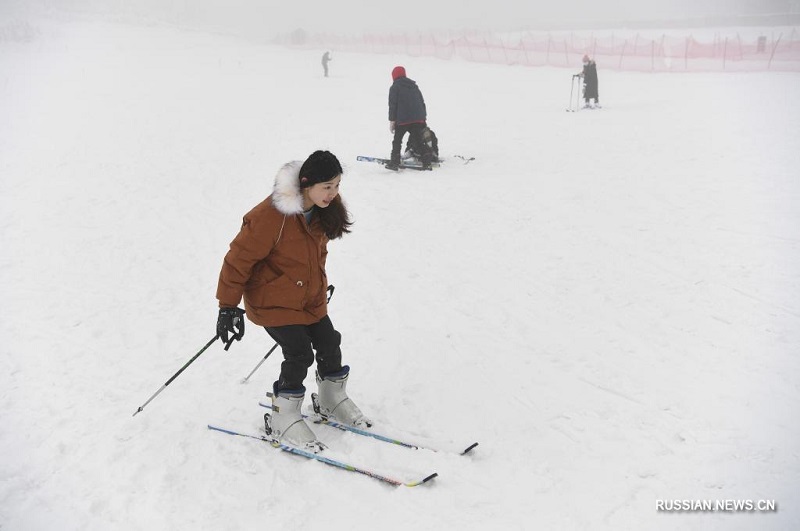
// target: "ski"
[[317, 419], [325, 460], [413, 164], [406, 165]]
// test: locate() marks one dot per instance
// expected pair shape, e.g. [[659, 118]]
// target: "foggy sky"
[[511, 13], [342, 16]]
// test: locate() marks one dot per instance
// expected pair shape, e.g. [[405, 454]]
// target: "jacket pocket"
[[282, 292]]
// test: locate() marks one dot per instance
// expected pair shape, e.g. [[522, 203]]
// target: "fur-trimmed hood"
[[287, 197]]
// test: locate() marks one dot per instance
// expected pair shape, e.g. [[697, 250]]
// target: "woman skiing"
[[277, 263]]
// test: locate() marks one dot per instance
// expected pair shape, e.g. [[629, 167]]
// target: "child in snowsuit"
[[415, 152]]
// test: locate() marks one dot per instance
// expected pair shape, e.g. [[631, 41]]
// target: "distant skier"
[[277, 263], [326, 58], [407, 114], [590, 90]]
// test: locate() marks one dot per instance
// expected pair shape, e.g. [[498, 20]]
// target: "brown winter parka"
[[277, 261]]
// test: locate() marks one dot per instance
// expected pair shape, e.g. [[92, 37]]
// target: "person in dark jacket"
[[326, 58], [590, 89], [407, 114], [277, 264]]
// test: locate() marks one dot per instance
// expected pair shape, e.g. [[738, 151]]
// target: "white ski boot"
[[333, 402], [286, 423]]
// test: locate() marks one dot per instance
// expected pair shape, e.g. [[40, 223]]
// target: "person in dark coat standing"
[[326, 58], [590, 89], [407, 114]]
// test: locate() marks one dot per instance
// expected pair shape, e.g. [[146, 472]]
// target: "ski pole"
[[260, 362], [571, 90], [246, 378], [176, 375]]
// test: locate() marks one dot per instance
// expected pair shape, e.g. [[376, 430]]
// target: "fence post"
[[524, 51], [724, 53], [622, 53], [774, 47], [739, 40], [686, 55]]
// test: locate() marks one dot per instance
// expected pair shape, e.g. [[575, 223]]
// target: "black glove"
[[230, 320]]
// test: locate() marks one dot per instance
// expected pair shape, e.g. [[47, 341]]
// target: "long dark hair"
[[335, 219], [320, 167]]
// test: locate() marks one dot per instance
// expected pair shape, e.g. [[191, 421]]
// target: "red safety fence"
[[778, 51]]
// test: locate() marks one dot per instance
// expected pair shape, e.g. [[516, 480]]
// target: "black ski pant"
[[414, 137], [298, 343], [590, 91]]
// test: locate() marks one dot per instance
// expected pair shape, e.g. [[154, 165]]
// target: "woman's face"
[[321, 194]]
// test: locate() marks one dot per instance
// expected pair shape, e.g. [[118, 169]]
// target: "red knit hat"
[[398, 71]]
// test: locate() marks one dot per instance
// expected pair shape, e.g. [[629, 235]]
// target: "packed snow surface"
[[607, 301]]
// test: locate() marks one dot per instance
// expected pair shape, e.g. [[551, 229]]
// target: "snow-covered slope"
[[606, 300]]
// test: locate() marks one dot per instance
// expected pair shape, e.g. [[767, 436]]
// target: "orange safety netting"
[[778, 51]]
